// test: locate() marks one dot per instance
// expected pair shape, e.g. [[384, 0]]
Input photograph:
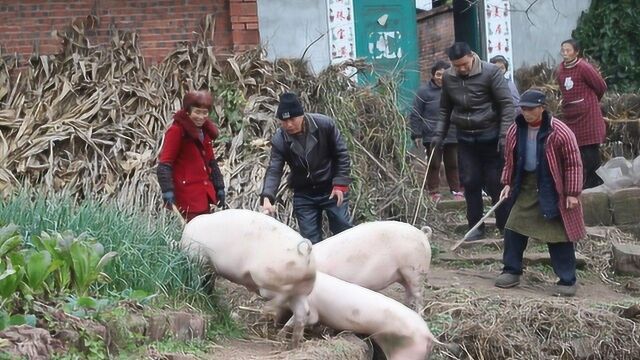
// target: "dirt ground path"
[[240, 349], [478, 280], [482, 281]]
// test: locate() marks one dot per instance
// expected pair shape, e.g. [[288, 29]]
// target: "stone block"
[[595, 206], [625, 204]]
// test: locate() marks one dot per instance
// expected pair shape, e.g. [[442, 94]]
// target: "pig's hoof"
[[268, 313], [282, 335], [295, 342]]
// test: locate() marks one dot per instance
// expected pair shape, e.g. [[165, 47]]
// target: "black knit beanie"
[[289, 107]]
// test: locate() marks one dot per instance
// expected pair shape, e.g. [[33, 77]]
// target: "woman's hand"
[[506, 191], [572, 202]]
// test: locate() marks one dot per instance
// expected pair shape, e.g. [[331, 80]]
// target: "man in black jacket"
[[476, 98], [313, 147]]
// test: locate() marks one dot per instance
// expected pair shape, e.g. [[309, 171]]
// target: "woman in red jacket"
[[188, 172], [582, 87]]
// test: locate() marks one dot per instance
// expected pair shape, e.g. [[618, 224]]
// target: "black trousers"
[[480, 166], [563, 257], [590, 155]]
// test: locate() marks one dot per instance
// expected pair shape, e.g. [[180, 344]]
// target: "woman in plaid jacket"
[[582, 87], [543, 177]]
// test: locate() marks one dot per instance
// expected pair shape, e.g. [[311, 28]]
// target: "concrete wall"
[[288, 27], [539, 39]]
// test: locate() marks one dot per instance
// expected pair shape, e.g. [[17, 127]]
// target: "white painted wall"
[[537, 38], [288, 27]]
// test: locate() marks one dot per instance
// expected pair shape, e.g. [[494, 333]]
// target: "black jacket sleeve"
[[216, 175], [165, 177], [273, 175], [446, 107], [415, 117], [503, 98], [342, 163]]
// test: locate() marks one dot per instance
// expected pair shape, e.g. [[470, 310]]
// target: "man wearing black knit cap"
[[313, 147]]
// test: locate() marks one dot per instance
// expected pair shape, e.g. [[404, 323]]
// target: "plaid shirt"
[[565, 164], [582, 87]]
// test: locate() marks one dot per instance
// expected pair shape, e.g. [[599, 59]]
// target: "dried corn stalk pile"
[[90, 120]]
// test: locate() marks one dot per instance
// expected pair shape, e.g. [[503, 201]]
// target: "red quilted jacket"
[[189, 159], [582, 87]]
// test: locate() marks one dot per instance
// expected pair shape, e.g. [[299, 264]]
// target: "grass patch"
[[198, 348], [140, 236]]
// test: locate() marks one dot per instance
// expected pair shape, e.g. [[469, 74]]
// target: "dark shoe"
[[565, 290], [475, 235], [506, 280]]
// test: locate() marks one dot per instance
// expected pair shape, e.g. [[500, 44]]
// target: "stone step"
[[451, 205], [626, 259], [446, 205], [528, 259], [461, 227], [495, 243], [605, 232]]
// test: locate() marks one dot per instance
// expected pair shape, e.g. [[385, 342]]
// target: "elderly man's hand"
[[267, 207], [338, 194], [436, 142]]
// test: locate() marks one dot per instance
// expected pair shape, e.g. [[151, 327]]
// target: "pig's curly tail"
[[427, 231]]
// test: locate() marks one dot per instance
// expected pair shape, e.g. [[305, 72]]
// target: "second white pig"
[[400, 332], [377, 254]]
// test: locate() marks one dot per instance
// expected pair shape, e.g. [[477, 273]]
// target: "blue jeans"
[[563, 257], [308, 210]]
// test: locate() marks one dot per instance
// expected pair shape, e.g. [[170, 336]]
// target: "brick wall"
[[27, 25], [244, 23], [435, 34]]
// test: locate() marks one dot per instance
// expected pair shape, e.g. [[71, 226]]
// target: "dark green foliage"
[[609, 33]]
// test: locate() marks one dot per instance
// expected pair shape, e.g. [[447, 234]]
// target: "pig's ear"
[[304, 247], [427, 231]]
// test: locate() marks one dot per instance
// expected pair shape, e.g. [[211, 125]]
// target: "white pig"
[[258, 252], [400, 332], [377, 254]]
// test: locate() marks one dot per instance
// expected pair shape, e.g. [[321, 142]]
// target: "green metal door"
[[386, 34], [467, 25]]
